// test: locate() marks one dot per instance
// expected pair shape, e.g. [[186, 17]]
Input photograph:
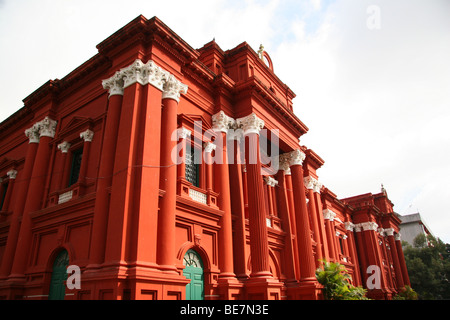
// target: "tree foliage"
[[336, 283], [428, 266]]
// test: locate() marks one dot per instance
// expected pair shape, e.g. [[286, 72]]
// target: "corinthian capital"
[[296, 157], [183, 133], [12, 174], [47, 127], [33, 134], [283, 163], [114, 85], [311, 183], [172, 88], [250, 124], [222, 123], [64, 146], [87, 135]]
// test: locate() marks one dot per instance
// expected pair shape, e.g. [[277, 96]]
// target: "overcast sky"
[[372, 78]]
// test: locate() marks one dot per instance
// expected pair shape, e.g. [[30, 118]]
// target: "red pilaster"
[[402, 261], [101, 208], [395, 257]]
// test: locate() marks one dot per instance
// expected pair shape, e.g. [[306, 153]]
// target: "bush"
[[407, 293], [336, 283]]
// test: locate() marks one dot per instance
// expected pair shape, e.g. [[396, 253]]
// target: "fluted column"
[[221, 123], [259, 246], [46, 130], [306, 258], [168, 181], [350, 227], [21, 193]]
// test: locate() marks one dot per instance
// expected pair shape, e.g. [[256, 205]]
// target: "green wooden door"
[[59, 277], [194, 271]]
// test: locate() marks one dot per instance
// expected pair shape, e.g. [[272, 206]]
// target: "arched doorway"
[[194, 270], [59, 276]]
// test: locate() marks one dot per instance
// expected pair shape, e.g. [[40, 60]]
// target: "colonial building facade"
[[158, 171]]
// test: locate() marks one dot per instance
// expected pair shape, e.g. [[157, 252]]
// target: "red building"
[[164, 172]]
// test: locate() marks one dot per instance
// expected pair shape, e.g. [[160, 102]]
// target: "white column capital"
[[47, 127], [328, 214], [209, 146], [87, 135], [114, 85], [250, 124], [33, 134], [389, 231], [12, 174], [296, 157], [398, 236], [369, 226], [222, 123], [172, 88], [270, 181], [283, 163], [183, 133], [312, 183], [64, 146], [349, 226]]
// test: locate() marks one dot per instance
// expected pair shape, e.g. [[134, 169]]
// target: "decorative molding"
[[389, 231], [12, 174], [222, 123], [64, 146], [250, 124], [87, 135]]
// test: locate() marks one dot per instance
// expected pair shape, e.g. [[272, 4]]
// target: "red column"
[[106, 170], [395, 257], [289, 190], [259, 245], [307, 264], [33, 202], [87, 136], [283, 206], [168, 180], [312, 186], [238, 207], [402, 261], [64, 147], [221, 125], [328, 216], [21, 193], [12, 178], [353, 254], [321, 221]]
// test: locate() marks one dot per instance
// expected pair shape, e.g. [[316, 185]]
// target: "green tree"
[[336, 283], [429, 267]]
